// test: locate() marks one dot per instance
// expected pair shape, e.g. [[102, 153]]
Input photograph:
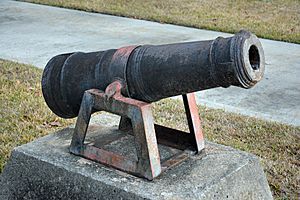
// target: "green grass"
[[24, 116], [273, 19]]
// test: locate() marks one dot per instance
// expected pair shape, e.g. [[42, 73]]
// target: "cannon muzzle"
[[153, 72]]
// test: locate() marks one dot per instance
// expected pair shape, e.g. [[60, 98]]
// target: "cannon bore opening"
[[254, 57]]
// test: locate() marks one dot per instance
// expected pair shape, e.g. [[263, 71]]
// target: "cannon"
[[127, 80]]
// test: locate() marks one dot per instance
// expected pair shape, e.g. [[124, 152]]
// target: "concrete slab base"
[[44, 169]]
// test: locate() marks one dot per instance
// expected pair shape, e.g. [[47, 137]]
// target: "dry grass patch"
[[277, 145], [24, 116], [273, 19]]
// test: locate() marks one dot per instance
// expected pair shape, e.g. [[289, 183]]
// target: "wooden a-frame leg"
[[193, 119], [82, 123], [146, 143]]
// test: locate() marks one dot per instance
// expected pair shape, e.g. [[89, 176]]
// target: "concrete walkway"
[[33, 34]]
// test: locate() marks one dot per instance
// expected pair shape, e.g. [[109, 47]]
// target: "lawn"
[[273, 19], [24, 116]]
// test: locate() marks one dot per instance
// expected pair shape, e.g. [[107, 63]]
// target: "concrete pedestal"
[[44, 169]]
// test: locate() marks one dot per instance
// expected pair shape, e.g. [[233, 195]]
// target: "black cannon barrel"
[[153, 72]]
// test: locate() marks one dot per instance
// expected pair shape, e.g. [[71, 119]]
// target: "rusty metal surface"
[[153, 72], [137, 120], [148, 163], [125, 81], [193, 119]]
